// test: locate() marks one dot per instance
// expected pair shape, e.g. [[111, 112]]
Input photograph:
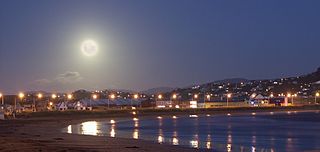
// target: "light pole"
[[174, 97], [195, 96], [94, 96], [136, 96], [34, 102], [69, 97], [315, 97], [208, 99], [228, 96], [53, 96], [2, 96], [112, 96], [290, 96], [159, 99], [21, 95]]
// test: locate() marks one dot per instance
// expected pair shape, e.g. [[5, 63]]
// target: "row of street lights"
[[136, 96]]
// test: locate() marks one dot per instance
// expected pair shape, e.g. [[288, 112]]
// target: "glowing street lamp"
[[112, 96], [159, 96], [69, 96], [271, 95], [195, 96], [174, 96], [315, 97], [228, 96], [94, 96], [53, 96], [208, 97], [136, 96], [21, 95], [290, 95], [39, 95]]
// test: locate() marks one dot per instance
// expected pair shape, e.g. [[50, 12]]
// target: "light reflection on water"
[[89, 128], [223, 133]]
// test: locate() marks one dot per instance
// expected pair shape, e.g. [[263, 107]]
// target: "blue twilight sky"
[[148, 43]]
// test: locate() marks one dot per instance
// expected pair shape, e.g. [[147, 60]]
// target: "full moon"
[[89, 48]]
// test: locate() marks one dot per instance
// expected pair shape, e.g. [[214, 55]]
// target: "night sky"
[[146, 43]]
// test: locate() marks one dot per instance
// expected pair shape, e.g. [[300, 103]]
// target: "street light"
[[136, 96], [315, 97], [53, 96], [208, 97], [112, 96], [69, 96], [21, 95], [94, 96], [228, 96], [195, 96], [1, 96], [39, 95], [159, 96], [290, 95], [174, 96], [34, 101], [271, 95]]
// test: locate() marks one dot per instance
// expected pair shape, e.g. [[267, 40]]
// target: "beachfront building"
[[164, 104], [80, 106], [62, 106], [279, 101], [258, 100]]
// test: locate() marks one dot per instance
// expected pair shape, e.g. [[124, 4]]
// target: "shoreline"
[[43, 131]]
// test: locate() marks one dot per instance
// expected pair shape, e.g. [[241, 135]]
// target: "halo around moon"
[[89, 48]]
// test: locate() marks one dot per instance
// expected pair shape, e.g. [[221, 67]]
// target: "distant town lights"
[[136, 96], [159, 96], [53, 96], [94, 96]]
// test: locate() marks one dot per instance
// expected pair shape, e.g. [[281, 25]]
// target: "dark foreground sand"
[[44, 134]]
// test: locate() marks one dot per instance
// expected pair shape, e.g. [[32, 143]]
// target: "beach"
[[35, 132]]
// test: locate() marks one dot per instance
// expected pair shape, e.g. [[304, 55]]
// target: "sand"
[[45, 135]]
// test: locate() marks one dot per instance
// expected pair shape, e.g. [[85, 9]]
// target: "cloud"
[[65, 81], [42, 82], [68, 77]]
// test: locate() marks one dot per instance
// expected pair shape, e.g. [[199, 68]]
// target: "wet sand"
[[44, 134]]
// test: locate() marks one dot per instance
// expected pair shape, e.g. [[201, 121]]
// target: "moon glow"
[[89, 48]]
